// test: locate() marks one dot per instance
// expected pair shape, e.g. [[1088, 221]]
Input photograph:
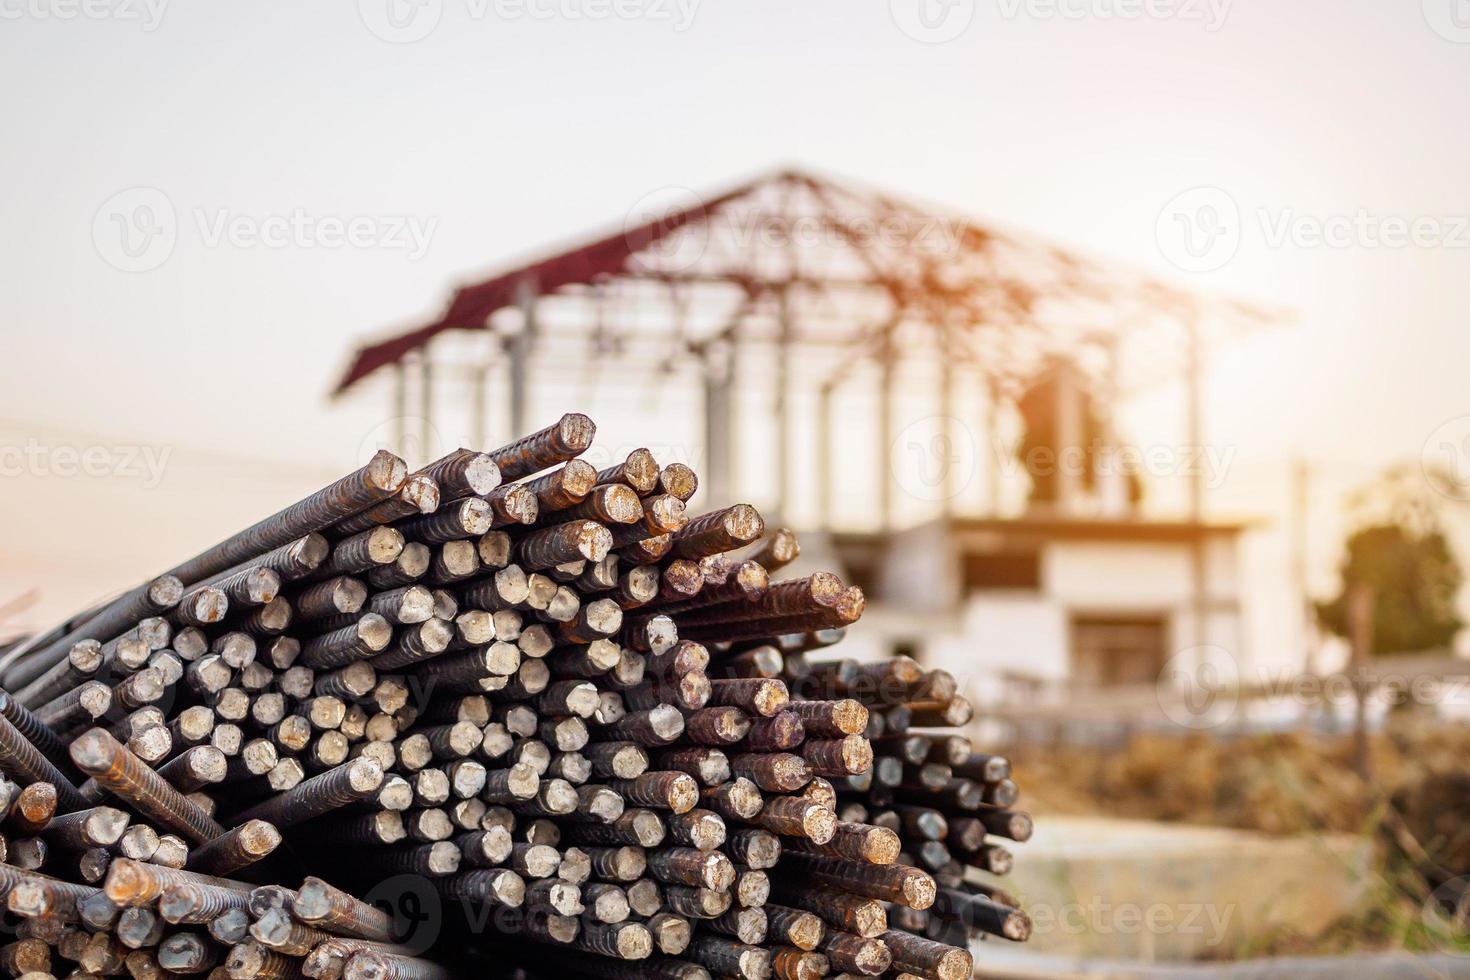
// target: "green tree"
[[1400, 551]]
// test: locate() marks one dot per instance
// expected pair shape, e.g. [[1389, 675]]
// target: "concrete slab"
[[1151, 892], [995, 963]]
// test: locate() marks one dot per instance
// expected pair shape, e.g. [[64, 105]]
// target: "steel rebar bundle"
[[504, 715]]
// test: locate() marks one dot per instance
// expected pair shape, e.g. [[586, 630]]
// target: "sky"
[[1275, 152]]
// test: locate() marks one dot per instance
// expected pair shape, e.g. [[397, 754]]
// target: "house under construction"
[[819, 318]]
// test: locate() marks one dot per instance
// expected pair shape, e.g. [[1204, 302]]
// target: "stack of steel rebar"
[[506, 713]]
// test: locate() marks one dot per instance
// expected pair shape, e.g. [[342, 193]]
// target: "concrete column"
[[521, 346], [719, 365]]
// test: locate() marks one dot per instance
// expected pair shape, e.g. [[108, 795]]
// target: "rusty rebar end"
[[678, 480], [258, 838], [385, 472], [420, 492], [210, 605], [165, 591], [94, 751], [575, 432], [480, 473], [128, 882]]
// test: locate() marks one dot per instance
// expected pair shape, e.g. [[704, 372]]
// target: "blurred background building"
[[966, 382]]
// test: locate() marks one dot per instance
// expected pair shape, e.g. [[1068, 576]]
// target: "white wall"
[[1134, 575], [1027, 633], [999, 633], [919, 571]]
